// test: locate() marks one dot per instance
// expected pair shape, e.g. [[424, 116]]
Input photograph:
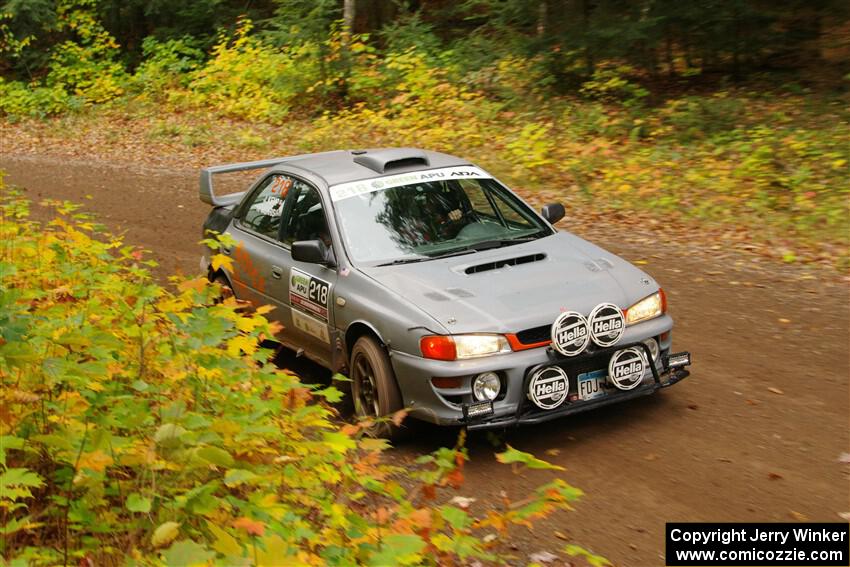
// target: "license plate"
[[590, 384]]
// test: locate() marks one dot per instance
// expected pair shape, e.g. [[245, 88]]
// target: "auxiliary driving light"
[[486, 386], [679, 359]]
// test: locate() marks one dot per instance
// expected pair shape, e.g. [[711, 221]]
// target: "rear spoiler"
[[206, 190]]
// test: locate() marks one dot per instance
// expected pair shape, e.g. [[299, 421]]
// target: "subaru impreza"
[[434, 288]]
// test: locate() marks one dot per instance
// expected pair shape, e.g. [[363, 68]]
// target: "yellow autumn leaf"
[[96, 461], [246, 324], [220, 260], [164, 534], [246, 344], [263, 309]]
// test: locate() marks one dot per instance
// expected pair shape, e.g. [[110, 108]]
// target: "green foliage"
[[166, 65], [613, 84], [147, 425], [512, 455], [20, 99]]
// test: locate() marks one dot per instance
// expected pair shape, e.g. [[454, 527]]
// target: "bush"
[[147, 425], [612, 83], [19, 99], [166, 65], [247, 78]]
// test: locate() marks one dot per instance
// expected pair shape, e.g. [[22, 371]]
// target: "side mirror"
[[553, 212], [310, 251]]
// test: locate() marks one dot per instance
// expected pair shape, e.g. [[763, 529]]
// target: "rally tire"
[[374, 389]]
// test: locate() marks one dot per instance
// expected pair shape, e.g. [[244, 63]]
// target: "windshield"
[[423, 215]]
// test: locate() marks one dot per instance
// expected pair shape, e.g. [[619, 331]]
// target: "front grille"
[[583, 365], [535, 335]]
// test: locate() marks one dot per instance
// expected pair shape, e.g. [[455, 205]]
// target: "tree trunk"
[[542, 24], [348, 14]]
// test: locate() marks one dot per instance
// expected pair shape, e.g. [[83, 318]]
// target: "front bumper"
[[512, 406], [528, 414]]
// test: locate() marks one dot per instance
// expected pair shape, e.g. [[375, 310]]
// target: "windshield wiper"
[[469, 249], [458, 252], [403, 261], [498, 243]]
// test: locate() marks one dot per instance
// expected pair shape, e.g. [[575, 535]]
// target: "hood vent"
[[495, 265], [391, 159]]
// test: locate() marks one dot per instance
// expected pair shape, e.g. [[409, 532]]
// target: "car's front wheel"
[[373, 387]]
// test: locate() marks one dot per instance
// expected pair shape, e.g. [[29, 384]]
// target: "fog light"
[[486, 386], [653, 348]]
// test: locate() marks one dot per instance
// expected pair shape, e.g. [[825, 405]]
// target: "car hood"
[[509, 289]]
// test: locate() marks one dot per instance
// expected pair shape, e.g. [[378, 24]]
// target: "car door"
[[258, 253], [310, 286]]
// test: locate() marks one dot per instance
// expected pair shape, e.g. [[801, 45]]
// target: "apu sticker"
[[356, 188], [309, 294]]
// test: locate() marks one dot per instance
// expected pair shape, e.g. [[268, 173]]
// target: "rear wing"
[[207, 193]]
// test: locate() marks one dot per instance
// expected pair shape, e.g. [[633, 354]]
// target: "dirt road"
[[754, 435]]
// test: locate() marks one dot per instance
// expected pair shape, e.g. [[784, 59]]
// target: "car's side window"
[[265, 211], [493, 206], [513, 216], [306, 218]]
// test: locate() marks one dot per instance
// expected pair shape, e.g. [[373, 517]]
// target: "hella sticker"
[[626, 368], [548, 387], [607, 324], [570, 333]]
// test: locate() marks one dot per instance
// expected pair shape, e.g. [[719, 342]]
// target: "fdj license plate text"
[[590, 385]]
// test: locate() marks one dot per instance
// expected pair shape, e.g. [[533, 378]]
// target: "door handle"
[[226, 249], [277, 272]]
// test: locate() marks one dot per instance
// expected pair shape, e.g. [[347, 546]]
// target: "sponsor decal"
[[548, 387], [309, 294], [607, 324], [310, 325], [626, 368], [271, 206], [570, 333], [357, 188]]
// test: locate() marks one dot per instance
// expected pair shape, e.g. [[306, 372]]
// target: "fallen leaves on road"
[[543, 557], [462, 501]]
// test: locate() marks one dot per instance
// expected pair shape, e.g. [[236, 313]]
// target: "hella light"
[[486, 386], [647, 308], [454, 347]]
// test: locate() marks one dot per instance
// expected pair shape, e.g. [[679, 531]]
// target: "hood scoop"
[[496, 264]]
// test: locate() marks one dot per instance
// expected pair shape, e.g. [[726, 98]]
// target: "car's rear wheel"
[[373, 387], [226, 288]]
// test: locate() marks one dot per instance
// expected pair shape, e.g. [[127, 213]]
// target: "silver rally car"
[[435, 288]]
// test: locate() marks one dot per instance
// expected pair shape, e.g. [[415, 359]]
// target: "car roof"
[[342, 166]]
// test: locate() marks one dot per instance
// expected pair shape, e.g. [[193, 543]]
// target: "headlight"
[[486, 386], [647, 308], [454, 347]]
